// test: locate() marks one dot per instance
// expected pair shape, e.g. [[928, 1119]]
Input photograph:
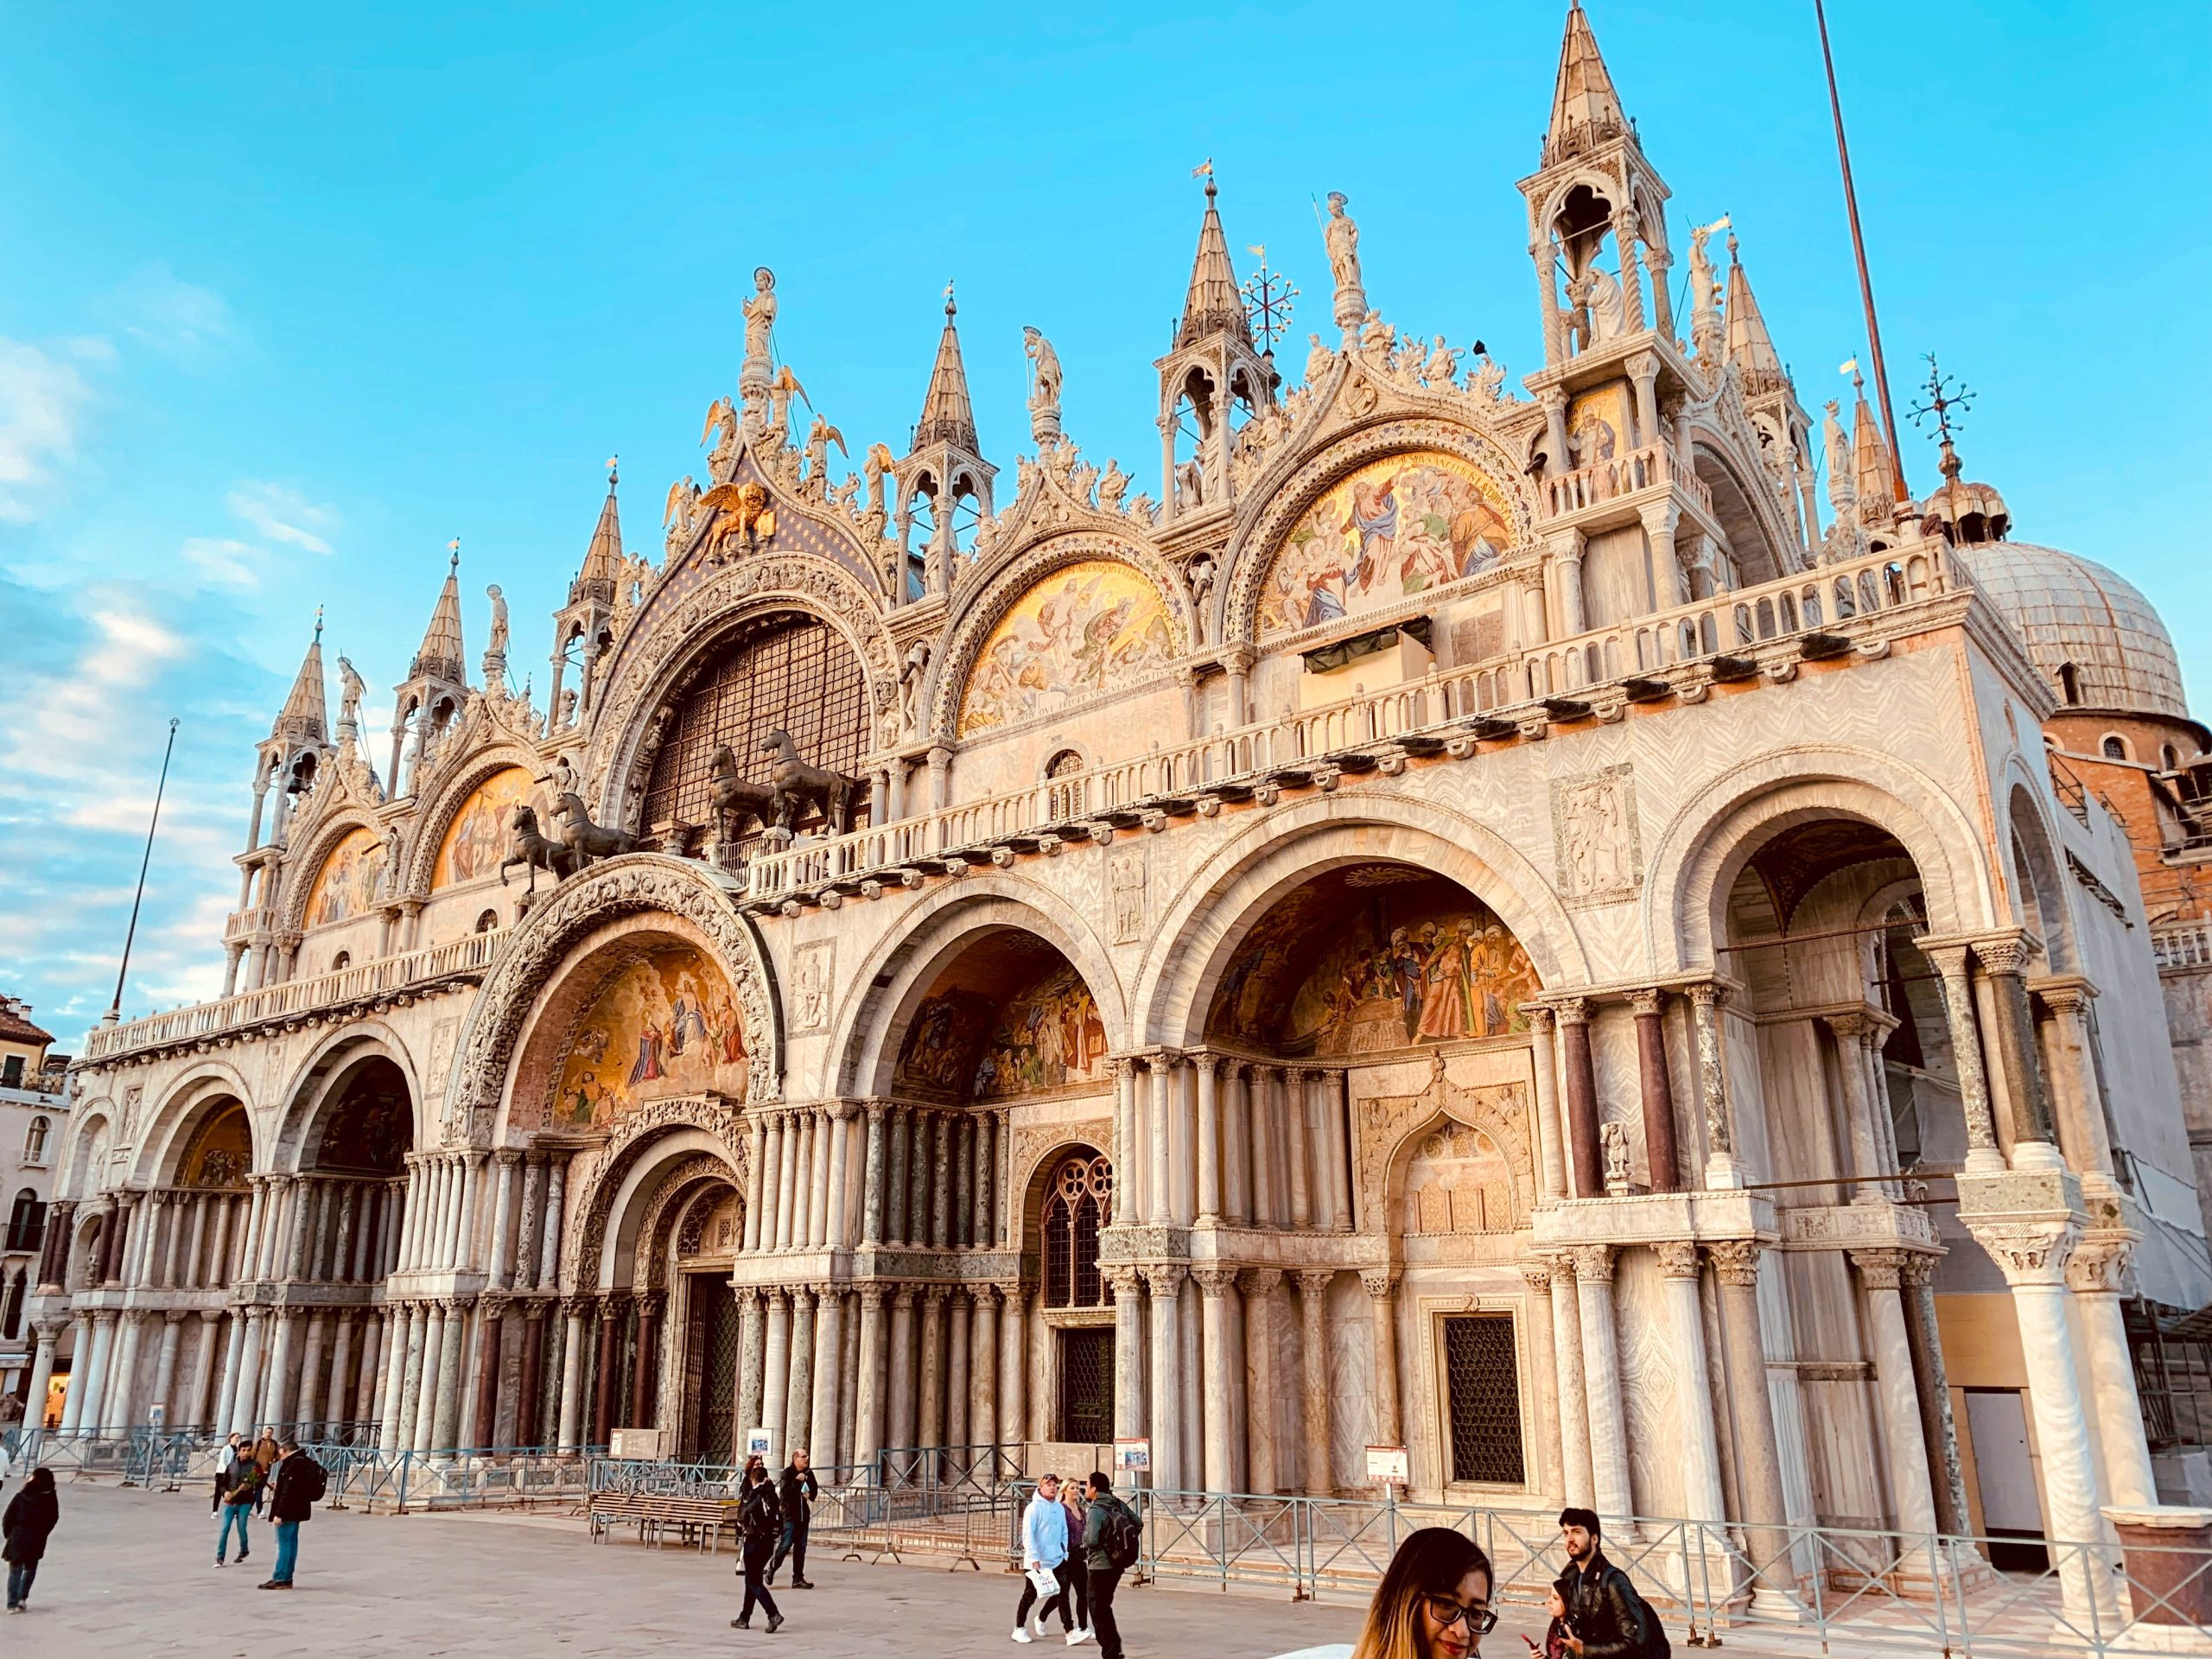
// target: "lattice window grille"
[[1483, 1393]]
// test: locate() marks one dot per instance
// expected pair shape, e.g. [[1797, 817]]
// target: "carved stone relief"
[[1596, 843], [811, 967], [1125, 885]]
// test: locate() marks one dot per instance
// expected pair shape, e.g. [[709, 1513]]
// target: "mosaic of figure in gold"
[[346, 886], [964, 1045], [1372, 958], [1090, 627], [476, 839], [1399, 527], [666, 1025]]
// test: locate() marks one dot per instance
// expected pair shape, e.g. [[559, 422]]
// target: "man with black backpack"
[[1113, 1538], [1605, 1618], [296, 1485]]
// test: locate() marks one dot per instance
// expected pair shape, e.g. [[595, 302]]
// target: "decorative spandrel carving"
[[1125, 885], [1597, 843], [812, 983], [1382, 1126]]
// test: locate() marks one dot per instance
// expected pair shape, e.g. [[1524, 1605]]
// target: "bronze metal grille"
[[710, 1370], [1077, 1197], [786, 672], [1087, 1384], [1484, 1384]]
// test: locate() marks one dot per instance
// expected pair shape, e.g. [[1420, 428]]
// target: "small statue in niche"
[[1613, 1139]]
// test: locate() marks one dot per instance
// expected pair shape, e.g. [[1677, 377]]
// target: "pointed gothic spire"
[[303, 715], [1751, 348], [604, 559], [1212, 306], [947, 415], [1585, 110], [1874, 477], [440, 655]]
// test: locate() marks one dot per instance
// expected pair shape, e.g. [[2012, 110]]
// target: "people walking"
[[29, 1519], [1433, 1602], [760, 1521], [238, 1494], [1044, 1560], [1605, 1618], [1113, 1538], [296, 1488], [1074, 1575], [795, 1493]]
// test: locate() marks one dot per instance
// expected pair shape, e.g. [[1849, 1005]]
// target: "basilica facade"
[[1534, 925]]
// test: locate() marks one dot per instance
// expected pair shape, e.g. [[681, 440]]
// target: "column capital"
[[506, 1157], [1647, 1000], [933, 1296], [1708, 992], [2099, 1262], [2066, 994], [1260, 1282], [1215, 1281], [1165, 1278], [1539, 1017], [1378, 1283], [985, 1295], [1126, 1280], [209, 1315], [2003, 954], [876, 1109], [1537, 1275], [493, 1304], [1881, 1269], [1867, 1025], [649, 1302], [1169, 1058], [1572, 1010], [902, 1298], [1736, 1260], [1593, 1263], [176, 1315], [1677, 1258], [1315, 1281], [871, 1298]]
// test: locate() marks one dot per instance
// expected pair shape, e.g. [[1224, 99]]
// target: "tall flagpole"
[[1859, 249], [114, 1007]]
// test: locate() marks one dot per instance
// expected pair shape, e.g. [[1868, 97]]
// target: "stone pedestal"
[[2167, 1552]]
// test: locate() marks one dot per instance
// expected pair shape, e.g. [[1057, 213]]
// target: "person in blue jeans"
[[295, 1484], [237, 1491]]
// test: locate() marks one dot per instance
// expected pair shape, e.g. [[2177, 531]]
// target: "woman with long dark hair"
[[1433, 1602], [31, 1514], [760, 1521]]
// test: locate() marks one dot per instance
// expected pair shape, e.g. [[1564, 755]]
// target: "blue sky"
[[294, 295]]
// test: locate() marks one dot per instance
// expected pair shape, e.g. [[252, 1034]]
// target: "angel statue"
[[350, 689], [722, 416], [1044, 386], [819, 437], [680, 512], [877, 466], [760, 315]]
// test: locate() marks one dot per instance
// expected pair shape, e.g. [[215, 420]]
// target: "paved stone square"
[[132, 1571]]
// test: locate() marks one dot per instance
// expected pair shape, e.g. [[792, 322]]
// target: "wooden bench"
[[698, 1521]]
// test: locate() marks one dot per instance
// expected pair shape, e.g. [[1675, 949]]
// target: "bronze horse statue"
[[529, 846], [584, 840], [797, 785], [734, 800]]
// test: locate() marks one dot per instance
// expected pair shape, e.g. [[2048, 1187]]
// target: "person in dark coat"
[[795, 1494], [297, 1482], [760, 1521], [31, 1514], [1605, 1618], [1104, 1578], [238, 1495]]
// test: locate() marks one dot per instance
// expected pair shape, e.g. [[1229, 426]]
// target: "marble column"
[[43, 1340], [307, 1409], [529, 1230], [756, 1182], [1699, 1445], [491, 1331], [530, 1382], [394, 1430], [81, 1375], [982, 1368], [506, 1179], [1236, 1142], [1312, 1305], [1209, 1194], [799, 1405], [199, 1404], [872, 1179], [1130, 1415], [896, 1207], [277, 1390], [605, 1383], [1165, 1284], [783, 1176], [776, 1372], [1159, 1195], [1706, 999], [1983, 1154], [165, 1369], [1881, 1273], [929, 1426], [1013, 1366], [1758, 1451], [2083, 1133], [1589, 1168], [1858, 1036], [1289, 1110], [1543, 1468], [1601, 1378], [1544, 1062], [2096, 1273], [645, 1377], [1260, 1150], [868, 1407], [751, 1376], [447, 1425], [2032, 1131], [1262, 1400], [568, 1425], [821, 1137], [1382, 1287], [959, 1397], [828, 1365], [1124, 1149], [425, 1376], [939, 1168], [1657, 1095], [246, 1396], [903, 1381], [556, 1187], [1938, 1432], [1223, 1409]]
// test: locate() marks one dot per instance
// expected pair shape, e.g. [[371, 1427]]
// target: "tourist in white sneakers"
[[1043, 1553]]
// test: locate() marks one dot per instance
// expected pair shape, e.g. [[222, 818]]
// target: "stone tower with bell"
[[1213, 371]]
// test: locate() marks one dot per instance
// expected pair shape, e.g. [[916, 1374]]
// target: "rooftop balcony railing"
[[470, 952]]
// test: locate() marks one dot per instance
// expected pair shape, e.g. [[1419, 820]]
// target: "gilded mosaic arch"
[[347, 873], [1253, 551], [435, 823], [616, 887], [1020, 579]]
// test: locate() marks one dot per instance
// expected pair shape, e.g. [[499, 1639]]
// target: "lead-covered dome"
[[2088, 630]]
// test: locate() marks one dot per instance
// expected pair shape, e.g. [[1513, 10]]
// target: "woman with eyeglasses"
[[1433, 1602]]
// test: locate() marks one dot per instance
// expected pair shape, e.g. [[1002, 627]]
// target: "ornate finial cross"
[[1947, 396], [453, 548], [318, 624], [1268, 294], [949, 307], [612, 462]]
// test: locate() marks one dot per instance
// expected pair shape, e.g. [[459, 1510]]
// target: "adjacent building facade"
[[1501, 925], [34, 1107]]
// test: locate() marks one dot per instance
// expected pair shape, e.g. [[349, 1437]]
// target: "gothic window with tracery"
[[1078, 1197]]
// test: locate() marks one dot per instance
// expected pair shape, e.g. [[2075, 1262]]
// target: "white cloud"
[[43, 399], [225, 562], [67, 728], [182, 320], [284, 514]]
